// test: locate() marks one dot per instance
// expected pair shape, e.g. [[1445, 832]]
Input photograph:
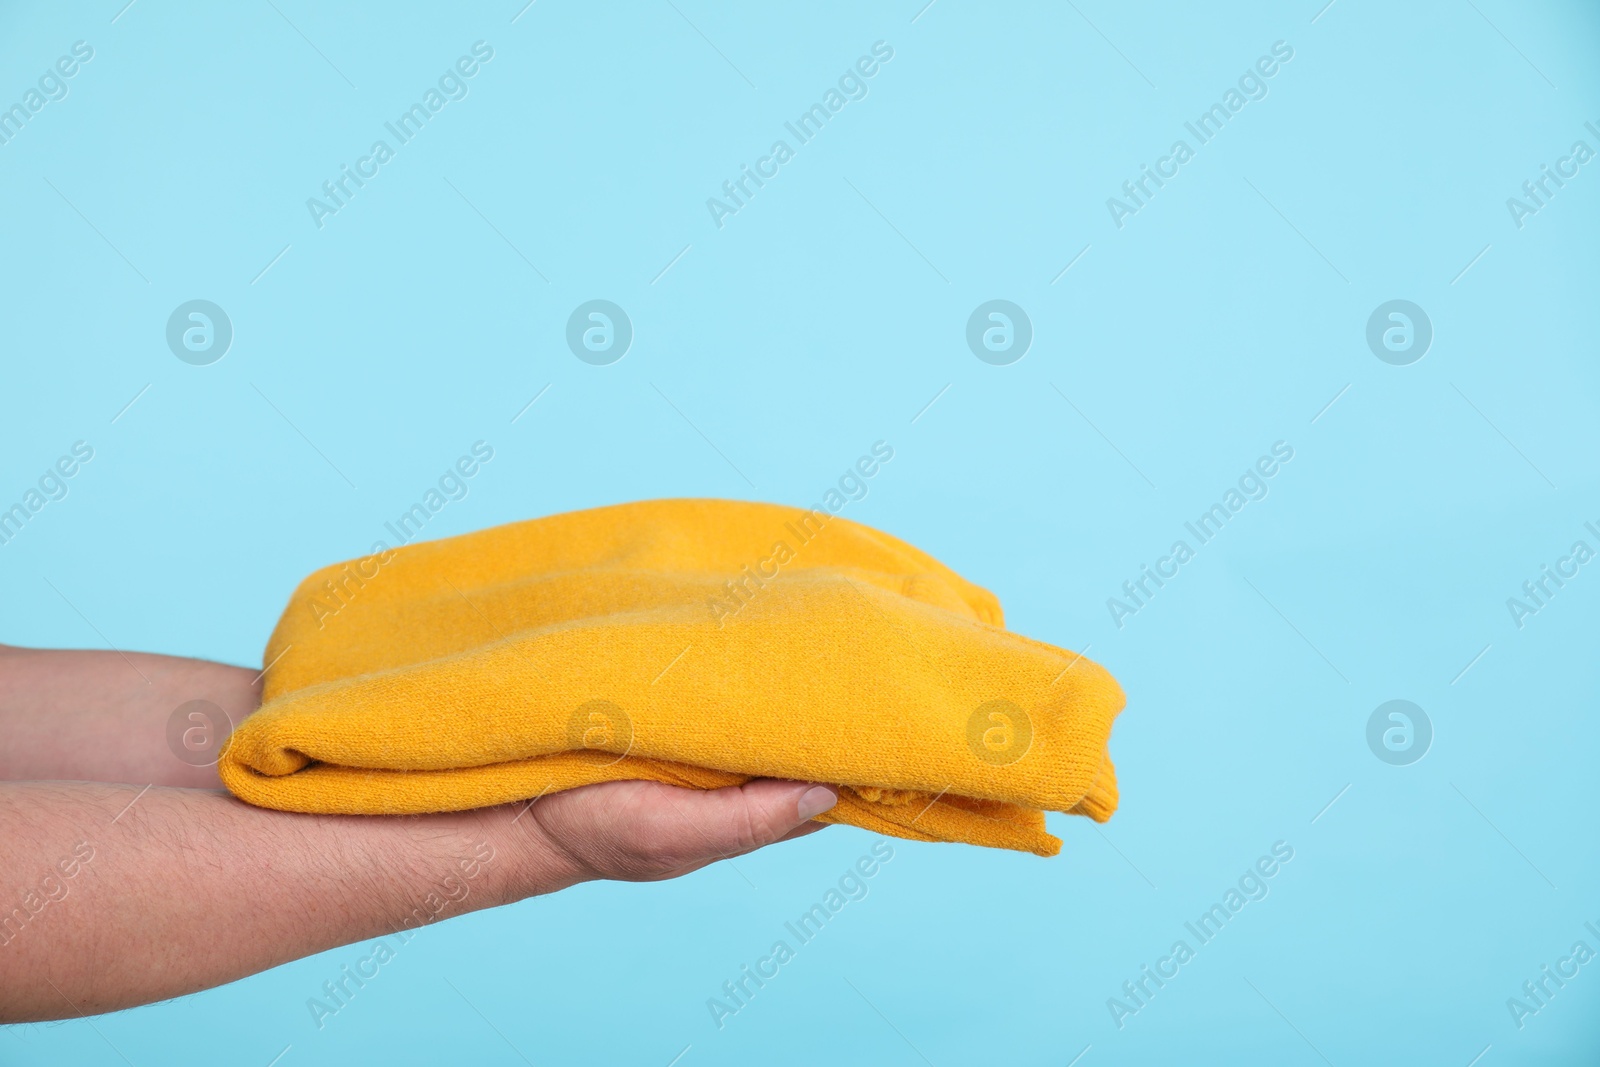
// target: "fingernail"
[[816, 800]]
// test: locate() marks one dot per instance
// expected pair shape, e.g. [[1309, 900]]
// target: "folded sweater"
[[700, 643]]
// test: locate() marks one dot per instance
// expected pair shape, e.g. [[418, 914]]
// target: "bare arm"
[[118, 895], [102, 716]]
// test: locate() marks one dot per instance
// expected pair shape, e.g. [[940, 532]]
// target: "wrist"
[[526, 862]]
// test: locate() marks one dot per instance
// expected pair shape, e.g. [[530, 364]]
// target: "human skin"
[[186, 887]]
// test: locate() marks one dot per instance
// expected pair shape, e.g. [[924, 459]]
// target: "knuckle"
[[756, 827]]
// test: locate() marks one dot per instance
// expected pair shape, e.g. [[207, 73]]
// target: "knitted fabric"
[[699, 643]]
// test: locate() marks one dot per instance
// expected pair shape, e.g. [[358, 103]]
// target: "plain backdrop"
[[1227, 314]]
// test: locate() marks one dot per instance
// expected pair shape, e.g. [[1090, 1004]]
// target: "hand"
[[196, 888], [646, 831]]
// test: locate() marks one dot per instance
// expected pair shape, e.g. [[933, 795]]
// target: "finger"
[[803, 829], [740, 819]]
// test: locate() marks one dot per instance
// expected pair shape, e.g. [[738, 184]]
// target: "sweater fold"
[[700, 643]]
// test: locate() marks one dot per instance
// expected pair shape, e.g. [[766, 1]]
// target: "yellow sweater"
[[695, 642]]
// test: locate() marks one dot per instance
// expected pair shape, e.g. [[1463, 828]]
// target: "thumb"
[[739, 819]]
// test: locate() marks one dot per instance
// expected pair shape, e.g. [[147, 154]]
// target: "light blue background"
[[826, 315]]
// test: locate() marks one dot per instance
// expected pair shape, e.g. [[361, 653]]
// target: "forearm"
[[117, 895], [104, 716], [110, 904]]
